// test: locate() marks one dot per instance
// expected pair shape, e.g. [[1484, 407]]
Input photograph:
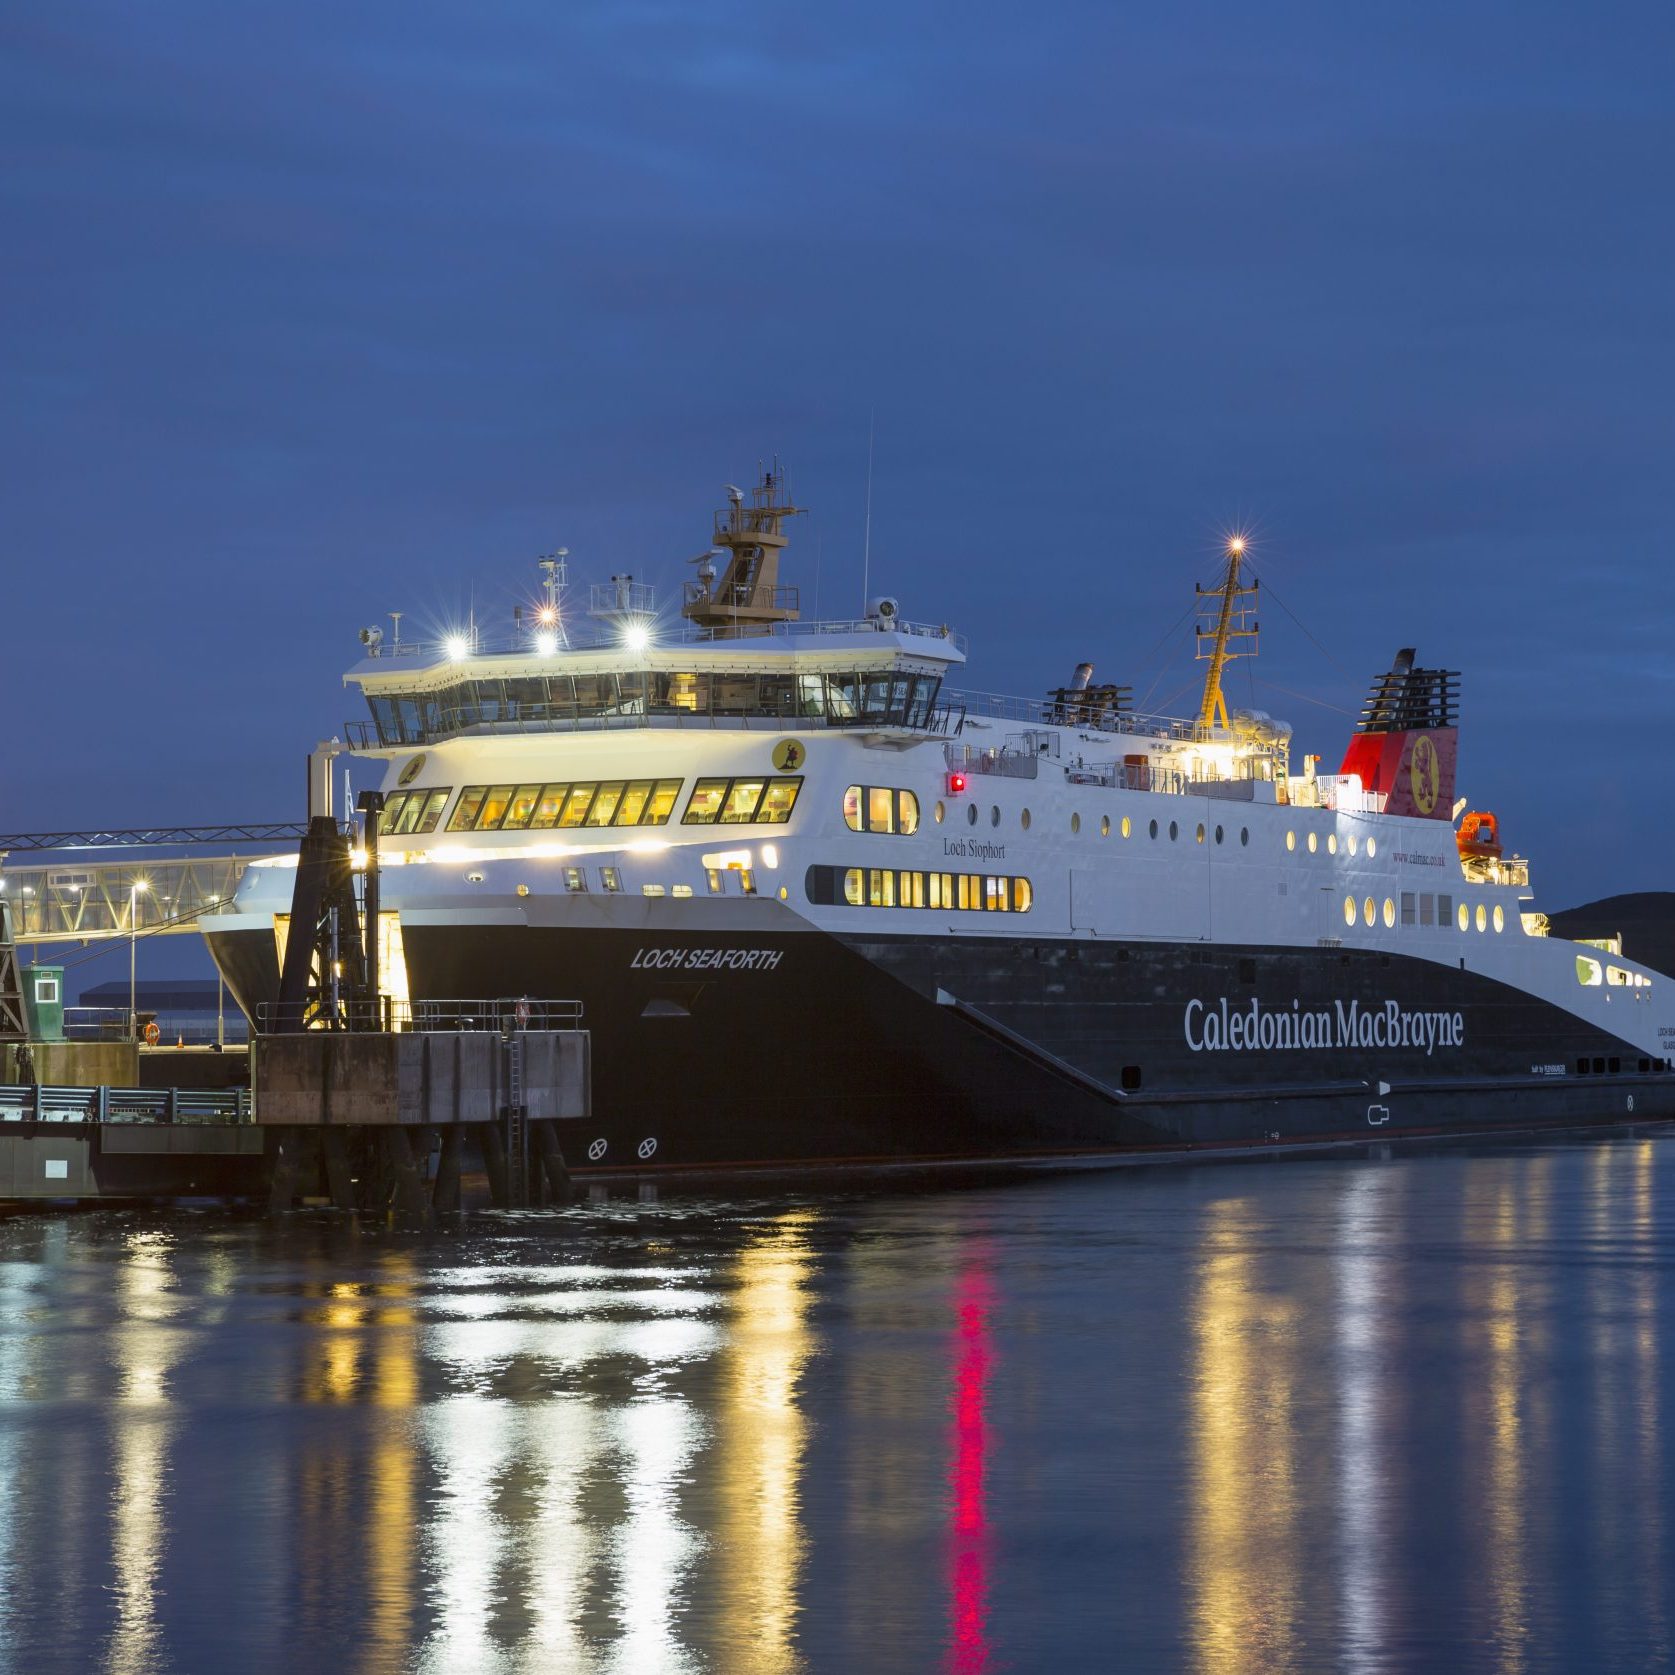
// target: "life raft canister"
[[1479, 835]]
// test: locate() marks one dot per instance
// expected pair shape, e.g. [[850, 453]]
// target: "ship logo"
[[411, 771], [789, 755], [1425, 774]]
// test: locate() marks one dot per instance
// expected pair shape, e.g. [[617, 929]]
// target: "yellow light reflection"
[[146, 1346], [762, 1434], [1243, 1531]]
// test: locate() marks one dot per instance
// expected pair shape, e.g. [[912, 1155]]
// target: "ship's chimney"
[[1084, 674]]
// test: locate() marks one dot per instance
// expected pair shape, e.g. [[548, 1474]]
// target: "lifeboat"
[[1479, 838]]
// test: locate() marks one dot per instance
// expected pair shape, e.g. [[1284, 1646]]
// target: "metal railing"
[[509, 1012], [125, 1105]]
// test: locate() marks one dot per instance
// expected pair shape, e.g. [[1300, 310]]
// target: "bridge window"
[[409, 812], [540, 808]]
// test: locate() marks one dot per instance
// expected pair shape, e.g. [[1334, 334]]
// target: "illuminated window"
[[1500, 918], [1104, 825], [910, 890], [575, 807], [1314, 842], [1290, 840], [747, 881], [494, 808], [631, 805], [1354, 843], [1482, 917], [393, 805], [704, 804], [1349, 910], [852, 808], [518, 815], [907, 813], [854, 887], [575, 880], [662, 803], [1127, 827], [653, 890], [1389, 914], [1369, 912], [1372, 847], [611, 878], [778, 801], [713, 874], [938, 812], [470, 802], [1075, 824], [1331, 843], [1022, 895], [1464, 917], [604, 806], [881, 809], [1589, 972], [1200, 838], [547, 807], [742, 797], [881, 887], [682, 890], [1023, 820]]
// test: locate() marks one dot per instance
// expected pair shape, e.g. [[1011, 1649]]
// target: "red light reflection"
[[969, 1534]]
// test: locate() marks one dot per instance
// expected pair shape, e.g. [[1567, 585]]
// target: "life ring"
[[152, 1034], [520, 1014]]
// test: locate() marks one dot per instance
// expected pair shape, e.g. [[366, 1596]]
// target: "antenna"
[[866, 540], [395, 617]]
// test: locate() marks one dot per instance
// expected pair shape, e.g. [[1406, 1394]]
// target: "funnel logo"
[[1425, 774]]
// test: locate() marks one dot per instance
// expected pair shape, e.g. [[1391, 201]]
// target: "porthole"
[[1389, 914], [1372, 847], [938, 812], [1331, 843], [1218, 834], [1354, 843], [1290, 840], [1127, 827], [523, 890], [1104, 825], [1349, 910], [971, 814], [1075, 824], [1244, 837], [1153, 830], [994, 814], [1174, 830], [784, 894], [1482, 917], [1200, 837], [1023, 820], [1500, 918], [1314, 842], [1369, 912], [1463, 917]]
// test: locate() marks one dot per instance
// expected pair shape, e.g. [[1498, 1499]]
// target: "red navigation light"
[[956, 784]]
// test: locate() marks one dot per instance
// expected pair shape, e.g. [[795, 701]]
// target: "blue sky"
[[313, 312]]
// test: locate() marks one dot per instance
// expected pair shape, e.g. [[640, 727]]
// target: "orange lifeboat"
[[1479, 838]]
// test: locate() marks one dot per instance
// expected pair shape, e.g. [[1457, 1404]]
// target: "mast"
[[748, 598], [1235, 621]]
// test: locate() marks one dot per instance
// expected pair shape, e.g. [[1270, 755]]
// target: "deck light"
[[458, 648], [546, 644], [956, 784], [636, 636], [547, 615]]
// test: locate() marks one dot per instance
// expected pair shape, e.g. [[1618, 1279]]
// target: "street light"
[[134, 889]]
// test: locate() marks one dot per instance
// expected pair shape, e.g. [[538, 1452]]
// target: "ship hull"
[[794, 1050]]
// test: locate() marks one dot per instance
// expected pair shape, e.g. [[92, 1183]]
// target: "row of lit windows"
[[1421, 909], [413, 811], [542, 808], [957, 892], [610, 881], [877, 808], [1125, 825], [741, 802], [1313, 841]]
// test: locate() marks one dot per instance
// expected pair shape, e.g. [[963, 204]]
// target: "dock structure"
[[388, 1119]]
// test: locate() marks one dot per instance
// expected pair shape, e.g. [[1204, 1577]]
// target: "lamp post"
[[134, 889]]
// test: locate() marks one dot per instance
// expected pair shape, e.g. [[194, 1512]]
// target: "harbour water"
[[1379, 1413]]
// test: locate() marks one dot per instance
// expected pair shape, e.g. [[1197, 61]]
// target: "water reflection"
[[761, 1434], [969, 1543], [1244, 1563]]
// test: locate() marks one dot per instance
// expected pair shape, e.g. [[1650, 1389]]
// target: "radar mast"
[[747, 599], [1233, 610]]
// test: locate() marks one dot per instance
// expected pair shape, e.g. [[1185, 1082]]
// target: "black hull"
[[719, 1052]]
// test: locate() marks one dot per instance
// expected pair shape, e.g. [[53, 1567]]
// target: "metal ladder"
[[517, 1126]]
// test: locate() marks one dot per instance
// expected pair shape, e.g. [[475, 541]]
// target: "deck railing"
[[124, 1105]]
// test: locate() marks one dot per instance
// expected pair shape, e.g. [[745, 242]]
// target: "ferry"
[[823, 907]]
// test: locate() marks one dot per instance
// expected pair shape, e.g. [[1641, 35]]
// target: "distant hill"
[[1646, 921]]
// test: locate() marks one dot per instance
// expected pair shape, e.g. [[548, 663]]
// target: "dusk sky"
[[314, 312]]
